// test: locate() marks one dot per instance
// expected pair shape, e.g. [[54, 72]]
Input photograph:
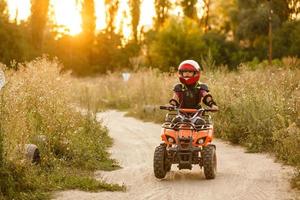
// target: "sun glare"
[[19, 10], [100, 14], [67, 16], [147, 13]]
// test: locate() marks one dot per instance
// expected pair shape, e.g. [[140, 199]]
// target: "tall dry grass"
[[259, 105], [37, 107], [145, 87]]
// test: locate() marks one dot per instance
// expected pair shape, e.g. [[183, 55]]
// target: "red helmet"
[[189, 65]]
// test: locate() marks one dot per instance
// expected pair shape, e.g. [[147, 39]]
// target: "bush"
[[182, 39], [253, 112], [14, 42], [221, 50], [287, 40], [178, 40], [37, 107]]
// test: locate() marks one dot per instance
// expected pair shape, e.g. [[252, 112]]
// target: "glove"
[[174, 103]]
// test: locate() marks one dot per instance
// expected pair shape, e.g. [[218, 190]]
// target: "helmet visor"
[[187, 73]]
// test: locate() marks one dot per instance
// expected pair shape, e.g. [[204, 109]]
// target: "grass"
[[20, 182], [259, 104], [259, 109], [37, 106]]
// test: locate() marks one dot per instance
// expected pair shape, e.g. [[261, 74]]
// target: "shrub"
[[37, 107], [178, 40], [287, 40], [182, 39]]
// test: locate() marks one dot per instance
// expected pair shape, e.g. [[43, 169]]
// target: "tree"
[[38, 20], [107, 54], [179, 39], [287, 40], [112, 7], [252, 18], [206, 15], [88, 21], [189, 8], [3, 10], [294, 7], [161, 8], [14, 39], [135, 10], [222, 51], [88, 31]]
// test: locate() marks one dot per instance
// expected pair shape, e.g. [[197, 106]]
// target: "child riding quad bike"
[[187, 134]]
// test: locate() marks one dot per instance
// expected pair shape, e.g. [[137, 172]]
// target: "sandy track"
[[241, 176]]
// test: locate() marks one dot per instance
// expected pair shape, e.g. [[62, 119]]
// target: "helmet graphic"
[[189, 66]]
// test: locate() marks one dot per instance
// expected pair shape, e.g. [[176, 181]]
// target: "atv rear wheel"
[[159, 162], [209, 157]]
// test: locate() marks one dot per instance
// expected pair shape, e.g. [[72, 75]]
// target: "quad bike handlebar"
[[186, 110]]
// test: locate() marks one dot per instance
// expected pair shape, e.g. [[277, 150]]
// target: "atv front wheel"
[[168, 166], [209, 157], [159, 163]]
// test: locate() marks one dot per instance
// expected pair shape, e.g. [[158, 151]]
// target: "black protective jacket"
[[190, 96]]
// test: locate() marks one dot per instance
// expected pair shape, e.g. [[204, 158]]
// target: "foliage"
[[88, 21], [161, 8], [220, 16], [38, 20], [189, 8], [111, 11], [252, 18], [181, 39], [37, 107], [287, 40], [178, 40], [87, 36], [14, 42], [222, 51], [135, 17], [107, 52]]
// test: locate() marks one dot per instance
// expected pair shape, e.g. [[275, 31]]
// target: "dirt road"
[[241, 176]]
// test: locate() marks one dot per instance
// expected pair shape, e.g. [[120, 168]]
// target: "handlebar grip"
[[163, 107], [166, 107]]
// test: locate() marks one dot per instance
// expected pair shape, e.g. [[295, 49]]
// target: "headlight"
[[171, 140], [201, 141]]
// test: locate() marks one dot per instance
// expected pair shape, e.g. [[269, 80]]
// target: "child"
[[190, 93]]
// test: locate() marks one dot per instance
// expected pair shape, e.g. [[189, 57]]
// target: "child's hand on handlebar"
[[167, 107]]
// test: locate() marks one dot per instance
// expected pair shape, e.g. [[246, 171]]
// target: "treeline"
[[229, 32]]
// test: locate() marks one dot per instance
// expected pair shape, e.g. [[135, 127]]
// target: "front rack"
[[189, 126]]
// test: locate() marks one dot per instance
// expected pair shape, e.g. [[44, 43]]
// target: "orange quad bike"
[[187, 135]]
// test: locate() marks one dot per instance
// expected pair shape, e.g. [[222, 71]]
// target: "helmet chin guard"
[[191, 66], [191, 80]]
